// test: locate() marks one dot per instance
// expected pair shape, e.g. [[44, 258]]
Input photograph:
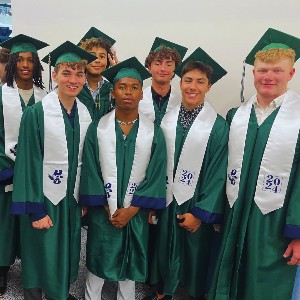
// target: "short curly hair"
[[97, 42], [275, 55], [163, 53], [199, 66]]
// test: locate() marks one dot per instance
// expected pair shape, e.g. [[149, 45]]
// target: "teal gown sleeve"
[[92, 192], [292, 226], [151, 192], [210, 207], [28, 196]]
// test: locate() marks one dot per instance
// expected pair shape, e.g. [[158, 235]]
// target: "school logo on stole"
[[14, 150], [233, 176], [56, 176]]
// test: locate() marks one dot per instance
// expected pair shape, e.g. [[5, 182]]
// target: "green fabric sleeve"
[[92, 190], [28, 181], [292, 228], [212, 196]]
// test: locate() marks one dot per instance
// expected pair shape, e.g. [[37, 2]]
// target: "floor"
[[14, 290]]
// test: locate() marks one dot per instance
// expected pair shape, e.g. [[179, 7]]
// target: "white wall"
[[226, 30]]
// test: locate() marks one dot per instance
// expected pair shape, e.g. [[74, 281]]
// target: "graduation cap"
[[201, 56], [23, 43], [94, 33], [159, 43], [130, 67], [271, 39], [67, 52], [274, 39]]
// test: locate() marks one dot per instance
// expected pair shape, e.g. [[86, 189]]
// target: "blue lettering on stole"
[[272, 184], [186, 177], [132, 186], [108, 189]]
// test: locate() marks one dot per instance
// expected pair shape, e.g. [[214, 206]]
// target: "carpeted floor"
[[14, 290]]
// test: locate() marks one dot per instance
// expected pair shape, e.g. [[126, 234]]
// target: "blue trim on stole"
[[5, 175], [37, 217], [292, 231], [92, 200], [206, 216], [148, 202], [21, 208]]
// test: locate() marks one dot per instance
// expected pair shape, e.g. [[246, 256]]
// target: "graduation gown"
[[50, 257], [105, 105], [148, 104], [9, 224], [112, 253], [182, 256], [251, 263]]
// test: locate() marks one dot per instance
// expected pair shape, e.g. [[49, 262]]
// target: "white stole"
[[106, 133], [146, 105], [12, 113], [276, 164], [55, 162], [192, 154], [236, 146]]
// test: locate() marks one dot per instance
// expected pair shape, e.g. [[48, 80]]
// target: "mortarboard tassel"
[[242, 82], [50, 75]]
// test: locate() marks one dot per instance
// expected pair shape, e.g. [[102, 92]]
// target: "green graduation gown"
[[119, 254], [9, 224], [149, 107], [50, 257], [182, 256], [105, 106], [251, 264]]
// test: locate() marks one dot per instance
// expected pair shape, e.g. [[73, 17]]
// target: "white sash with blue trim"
[[146, 106], [12, 113], [276, 164], [106, 133], [55, 162], [192, 154]]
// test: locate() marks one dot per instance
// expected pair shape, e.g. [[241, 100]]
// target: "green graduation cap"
[[201, 56], [274, 39], [159, 43], [130, 67], [67, 52], [96, 33], [23, 43]]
